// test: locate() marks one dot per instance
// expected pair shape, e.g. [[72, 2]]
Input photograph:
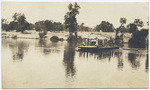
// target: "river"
[[34, 63]]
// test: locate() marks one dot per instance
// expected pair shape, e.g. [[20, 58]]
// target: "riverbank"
[[32, 34]]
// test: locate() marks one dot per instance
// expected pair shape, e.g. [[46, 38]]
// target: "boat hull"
[[95, 48]]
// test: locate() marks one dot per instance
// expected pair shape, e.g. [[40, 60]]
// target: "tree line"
[[106, 26], [20, 24]]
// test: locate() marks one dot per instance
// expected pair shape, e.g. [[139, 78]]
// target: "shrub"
[[54, 39]]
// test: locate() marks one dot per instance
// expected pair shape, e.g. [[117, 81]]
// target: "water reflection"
[[61, 57], [132, 57], [4, 43], [104, 55], [147, 64], [97, 55], [118, 54], [68, 60], [47, 47], [19, 49]]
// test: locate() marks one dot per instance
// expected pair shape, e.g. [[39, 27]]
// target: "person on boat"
[[110, 42], [100, 43], [105, 43], [96, 41], [93, 42], [83, 43], [87, 41]]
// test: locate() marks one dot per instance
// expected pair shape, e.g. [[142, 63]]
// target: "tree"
[[32, 26], [132, 27], [48, 25], [138, 39], [70, 18], [57, 26], [19, 22], [122, 29], [82, 24], [4, 21], [13, 25], [40, 25], [122, 21], [83, 28], [105, 27], [139, 23], [5, 25]]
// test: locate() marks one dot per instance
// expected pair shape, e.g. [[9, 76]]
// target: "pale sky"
[[91, 13]]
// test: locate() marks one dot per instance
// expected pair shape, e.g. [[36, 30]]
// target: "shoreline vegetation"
[[32, 34], [134, 34]]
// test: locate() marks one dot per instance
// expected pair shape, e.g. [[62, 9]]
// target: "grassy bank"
[[32, 34]]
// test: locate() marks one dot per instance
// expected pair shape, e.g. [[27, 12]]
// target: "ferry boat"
[[97, 45]]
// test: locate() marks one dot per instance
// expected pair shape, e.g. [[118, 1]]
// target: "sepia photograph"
[[74, 44]]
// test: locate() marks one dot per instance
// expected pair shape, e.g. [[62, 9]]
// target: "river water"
[[34, 63]]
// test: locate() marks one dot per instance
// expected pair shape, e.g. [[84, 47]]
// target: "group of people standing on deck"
[[117, 41]]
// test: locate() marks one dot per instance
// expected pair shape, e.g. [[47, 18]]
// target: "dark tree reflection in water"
[[135, 63], [102, 55], [18, 48], [47, 47], [68, 60], [147, 63], [118, 54]]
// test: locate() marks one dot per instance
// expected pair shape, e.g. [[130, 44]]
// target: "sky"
[[91, 13]]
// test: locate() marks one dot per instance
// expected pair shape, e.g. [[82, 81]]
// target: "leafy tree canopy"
[[70, 17], [105, 26]]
